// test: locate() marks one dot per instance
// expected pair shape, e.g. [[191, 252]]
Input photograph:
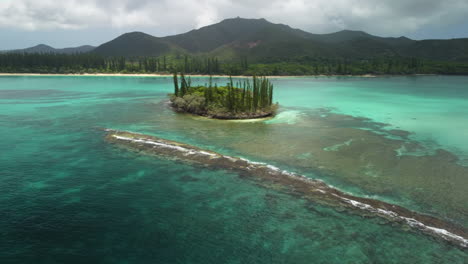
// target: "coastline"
[[164, 75], [191, 75], [264, 116]]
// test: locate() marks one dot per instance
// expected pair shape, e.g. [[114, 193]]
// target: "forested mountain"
[[41, 48], [135, 44], [249, 46], [263, 41]]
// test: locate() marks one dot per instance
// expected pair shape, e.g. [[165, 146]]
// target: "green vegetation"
[[92, 63], [134, 44], [265, 42], [375, 66], [245, 100], [248, 47], [59, 63]]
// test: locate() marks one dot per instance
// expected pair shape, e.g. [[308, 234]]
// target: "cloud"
[[387, 17], [384, 17]]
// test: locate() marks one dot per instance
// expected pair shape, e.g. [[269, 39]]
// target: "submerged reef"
[[270, 176]]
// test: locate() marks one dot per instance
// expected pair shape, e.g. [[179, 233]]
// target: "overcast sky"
[[63, 23]]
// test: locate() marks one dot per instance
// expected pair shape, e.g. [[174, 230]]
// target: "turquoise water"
[[434, 108], [66, 196]]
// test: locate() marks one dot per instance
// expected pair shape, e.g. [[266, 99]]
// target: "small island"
[[245, 100]]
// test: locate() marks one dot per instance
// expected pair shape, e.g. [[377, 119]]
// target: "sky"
[[68, 23]]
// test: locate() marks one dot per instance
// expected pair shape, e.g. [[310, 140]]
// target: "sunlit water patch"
[[432, 108], [286, 117]]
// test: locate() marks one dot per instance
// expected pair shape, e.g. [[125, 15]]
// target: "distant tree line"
[[53, 63], [391, 65], [306, 65]]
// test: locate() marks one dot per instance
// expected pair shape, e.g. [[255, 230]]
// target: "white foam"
[[273, 169], [252, 162], [230, 158], [169, 146], [208, 153], [356, 203], [442, 232], [410, 221], [386, 212], [287, 117]]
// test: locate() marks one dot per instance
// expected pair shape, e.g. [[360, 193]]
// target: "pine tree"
[[183, 85], [176, 84]]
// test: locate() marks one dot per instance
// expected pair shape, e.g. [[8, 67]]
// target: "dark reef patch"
[[272, 177]]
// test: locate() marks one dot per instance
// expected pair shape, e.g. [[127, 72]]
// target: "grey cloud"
[[384, 17]]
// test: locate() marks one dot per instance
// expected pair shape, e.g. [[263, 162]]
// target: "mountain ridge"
[[263, 41], [43, 48]]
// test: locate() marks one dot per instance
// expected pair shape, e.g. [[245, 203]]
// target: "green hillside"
[[211, 37], [252, 46], [41, 48], [442, 50], [134, 44], [263, 41]]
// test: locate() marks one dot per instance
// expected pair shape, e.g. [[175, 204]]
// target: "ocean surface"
[[67, 196]]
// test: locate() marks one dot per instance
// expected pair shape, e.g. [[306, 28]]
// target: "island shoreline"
[[226, 118], [207, 76]]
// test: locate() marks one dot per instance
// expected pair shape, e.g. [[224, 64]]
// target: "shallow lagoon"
[[68, 196]]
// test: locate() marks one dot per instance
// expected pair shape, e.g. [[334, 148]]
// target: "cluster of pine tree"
[[305, 65], [207, 65], [242, 97], [152, 64], [390, 65], [51, 63], [185, 85]]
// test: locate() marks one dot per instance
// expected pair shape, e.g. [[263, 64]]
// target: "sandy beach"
[[170, 75]]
